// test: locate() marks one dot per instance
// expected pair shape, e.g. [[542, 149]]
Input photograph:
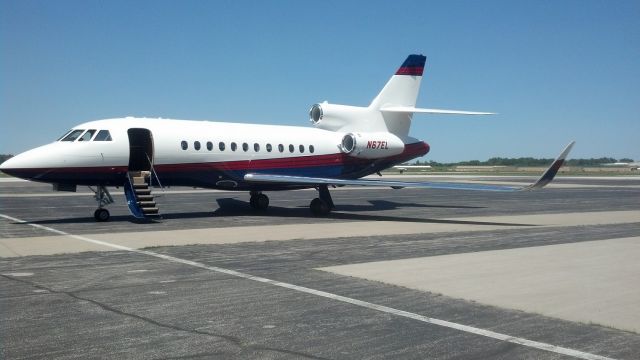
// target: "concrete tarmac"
[[217, 280]]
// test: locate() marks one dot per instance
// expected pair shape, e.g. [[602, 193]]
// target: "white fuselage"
[[199, 153]]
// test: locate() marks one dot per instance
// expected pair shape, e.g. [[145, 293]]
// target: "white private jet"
[[344, 144]]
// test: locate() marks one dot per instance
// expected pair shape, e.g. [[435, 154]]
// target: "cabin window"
[[311, 149], [269, 148], [184, 145], [245, 147], [256, 147], [301, 147], [196, 145], [280, 147], [72, 135], [103, 135], [291, 148], [234, 146], [221, 146], [209, 145]]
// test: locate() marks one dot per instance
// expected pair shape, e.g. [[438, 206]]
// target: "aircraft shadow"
[[379, 205], [231, 207]]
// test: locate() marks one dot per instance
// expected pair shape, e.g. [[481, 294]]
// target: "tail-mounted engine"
[[371, 145], [334, 117]]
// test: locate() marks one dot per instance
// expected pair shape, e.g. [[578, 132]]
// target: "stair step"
[[142, 193], [139, 181]]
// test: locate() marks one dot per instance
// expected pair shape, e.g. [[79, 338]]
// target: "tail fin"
[[402, 89], [397, 100]]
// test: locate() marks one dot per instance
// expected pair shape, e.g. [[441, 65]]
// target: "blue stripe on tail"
[[413, 65]]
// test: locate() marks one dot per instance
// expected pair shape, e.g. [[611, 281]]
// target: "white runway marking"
[[19, 274], [364, 304]]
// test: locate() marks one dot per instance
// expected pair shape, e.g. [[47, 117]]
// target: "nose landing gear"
[[103, 198], [101, 214]]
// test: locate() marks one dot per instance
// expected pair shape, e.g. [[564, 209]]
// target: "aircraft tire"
[[101, 215], [259, 202], [319, 207]]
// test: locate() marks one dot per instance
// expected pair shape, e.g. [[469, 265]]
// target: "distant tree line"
[[526, 161], [4, 157]]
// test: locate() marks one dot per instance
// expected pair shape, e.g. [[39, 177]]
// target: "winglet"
[[551, 172]]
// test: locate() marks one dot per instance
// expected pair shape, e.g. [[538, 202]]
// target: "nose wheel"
[[101, 215], [259, 201]]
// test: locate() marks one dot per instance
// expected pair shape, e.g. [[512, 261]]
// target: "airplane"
[[344, 144], [403, 168]]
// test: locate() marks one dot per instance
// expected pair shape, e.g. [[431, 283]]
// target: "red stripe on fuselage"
[[410, 151], [339, 159]]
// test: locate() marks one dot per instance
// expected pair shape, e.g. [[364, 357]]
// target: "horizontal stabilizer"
[[545, 179], [411, 109]]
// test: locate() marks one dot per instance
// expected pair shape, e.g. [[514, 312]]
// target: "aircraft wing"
[[546, 178]]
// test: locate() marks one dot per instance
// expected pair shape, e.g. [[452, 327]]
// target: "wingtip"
[[551, 172], [566, 151]]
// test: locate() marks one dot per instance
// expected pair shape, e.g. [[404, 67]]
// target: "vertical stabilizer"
[[401, 91]]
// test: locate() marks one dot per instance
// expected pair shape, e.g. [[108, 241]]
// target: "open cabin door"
[[140, 149], [137, 189]]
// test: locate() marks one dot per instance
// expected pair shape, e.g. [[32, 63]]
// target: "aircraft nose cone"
[[6, 164], [10, 166], [24, 165]]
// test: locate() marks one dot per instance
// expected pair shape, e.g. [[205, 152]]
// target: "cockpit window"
[[103, 135], [72, 135], [87, 135], [65, 134]]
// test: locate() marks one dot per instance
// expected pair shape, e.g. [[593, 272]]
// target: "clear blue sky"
[[555, 70]]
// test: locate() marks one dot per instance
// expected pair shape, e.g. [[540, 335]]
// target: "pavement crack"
[[243, 345]]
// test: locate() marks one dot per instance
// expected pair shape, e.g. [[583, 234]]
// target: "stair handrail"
[[154, 173], [131, 204]]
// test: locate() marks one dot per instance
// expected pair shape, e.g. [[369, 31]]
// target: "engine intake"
[[371, 145], [333, 117]]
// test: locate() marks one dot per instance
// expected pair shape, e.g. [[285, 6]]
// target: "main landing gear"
[[259, 201], [103, 198], [322, 205]]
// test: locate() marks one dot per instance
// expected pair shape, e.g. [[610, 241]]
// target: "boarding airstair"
[[140, 200]]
